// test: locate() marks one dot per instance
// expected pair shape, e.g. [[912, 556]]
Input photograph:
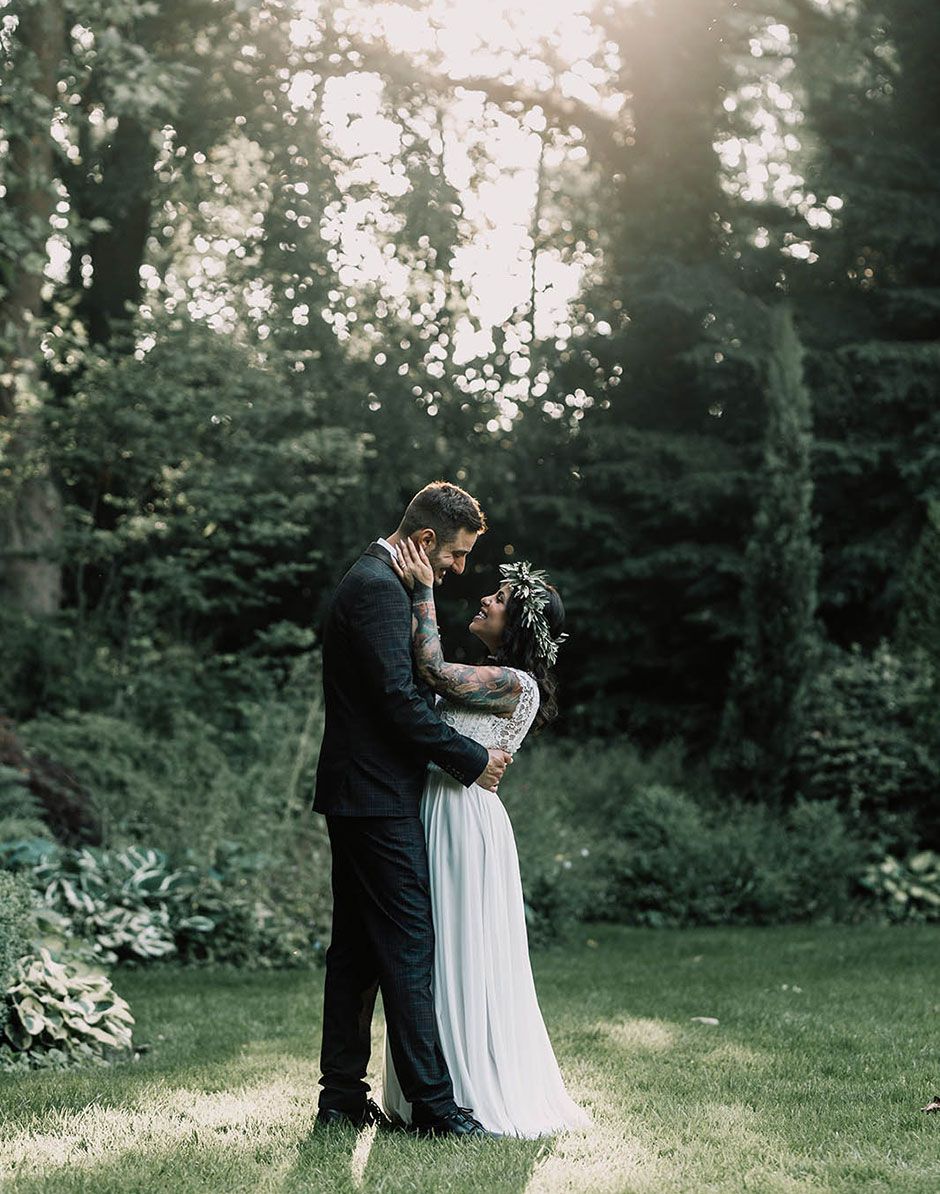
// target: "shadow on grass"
[[346, 1162], [491, 1166], [325, 1161]]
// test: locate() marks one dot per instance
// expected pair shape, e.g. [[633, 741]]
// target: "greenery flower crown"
[[531, 588]]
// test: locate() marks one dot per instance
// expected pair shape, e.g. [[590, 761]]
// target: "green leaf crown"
[[529, 585]]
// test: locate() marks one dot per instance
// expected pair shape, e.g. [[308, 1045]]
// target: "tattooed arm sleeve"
[[495, 689]]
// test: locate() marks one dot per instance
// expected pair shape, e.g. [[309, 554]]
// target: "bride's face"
[[488, 624]]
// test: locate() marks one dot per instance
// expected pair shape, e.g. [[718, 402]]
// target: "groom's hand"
[[499, 761]]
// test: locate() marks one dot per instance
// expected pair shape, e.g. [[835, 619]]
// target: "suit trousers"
[[383, 938]]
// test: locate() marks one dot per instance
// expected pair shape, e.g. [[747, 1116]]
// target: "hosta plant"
[[63, 1013], [135, 905], [908, 890], [122, 900]]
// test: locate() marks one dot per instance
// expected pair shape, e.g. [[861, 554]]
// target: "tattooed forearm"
[[496, 689]]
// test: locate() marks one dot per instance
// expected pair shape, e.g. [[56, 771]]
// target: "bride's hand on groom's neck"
[[406, 578], [413, 566]]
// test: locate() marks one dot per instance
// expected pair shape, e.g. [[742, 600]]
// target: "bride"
[[491, 1029]]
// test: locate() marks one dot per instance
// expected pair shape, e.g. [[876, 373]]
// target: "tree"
[[30, 507], [152, 89], [763, 720], [638, 458], [919, 621], [870, 305]]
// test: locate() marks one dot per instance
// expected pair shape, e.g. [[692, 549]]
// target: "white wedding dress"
[[491, 1029]]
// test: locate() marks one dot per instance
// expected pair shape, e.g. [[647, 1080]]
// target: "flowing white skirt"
[[491, 1029]]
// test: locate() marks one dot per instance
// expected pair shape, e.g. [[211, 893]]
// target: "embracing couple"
[[427, 898]]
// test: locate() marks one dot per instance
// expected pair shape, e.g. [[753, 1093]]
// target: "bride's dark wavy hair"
[[518, 649]]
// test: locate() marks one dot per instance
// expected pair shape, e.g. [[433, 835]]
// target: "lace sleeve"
[[518, 725]]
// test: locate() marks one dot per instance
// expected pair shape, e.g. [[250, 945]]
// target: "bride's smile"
[[488, 624]]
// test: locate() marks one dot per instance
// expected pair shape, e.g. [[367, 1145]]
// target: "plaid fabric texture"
[[381, 729], [383, 937]]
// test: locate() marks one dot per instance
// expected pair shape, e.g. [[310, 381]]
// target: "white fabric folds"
[[491, 1028]]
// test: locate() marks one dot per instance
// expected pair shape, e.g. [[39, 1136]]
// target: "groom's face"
[[448, 557]]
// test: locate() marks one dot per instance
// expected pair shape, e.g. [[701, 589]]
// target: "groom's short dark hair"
[[446, 509]]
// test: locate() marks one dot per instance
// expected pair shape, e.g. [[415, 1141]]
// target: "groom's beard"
[[439, 572]]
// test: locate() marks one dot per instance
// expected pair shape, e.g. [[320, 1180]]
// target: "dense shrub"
[[198, 751], [20, 811], [260, 917], [919, 619], [678, 864], [40, 662], [868, 746], [557, 795], [135, 905], [16, 901], [606, 834], [55, 1008], [209, 762], [40, 797]]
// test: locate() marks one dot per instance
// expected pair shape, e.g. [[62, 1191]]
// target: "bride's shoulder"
[[530, 687]]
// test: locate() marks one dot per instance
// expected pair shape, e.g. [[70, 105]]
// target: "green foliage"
[[201, 478], [249, 912], [236, 739], [61, 1014], [919, 622], [875, 468], [606, 834], [20, 810], [119, 900], [555, 795], [136, 905], [238, 733], [871, 308], [57, 1007], [16, 901], [39, 657], [864, 746], [676, 863], [645, 545], [762, 722], [135, 778], [906, 890]]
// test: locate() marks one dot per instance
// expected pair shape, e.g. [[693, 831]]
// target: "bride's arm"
[[495, 689]]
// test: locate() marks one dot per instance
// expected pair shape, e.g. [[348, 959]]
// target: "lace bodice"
[[489, 729]]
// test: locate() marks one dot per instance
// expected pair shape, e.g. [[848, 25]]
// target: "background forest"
[[659, 282]]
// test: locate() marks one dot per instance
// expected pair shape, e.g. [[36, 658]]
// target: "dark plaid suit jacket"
[[380, 729]]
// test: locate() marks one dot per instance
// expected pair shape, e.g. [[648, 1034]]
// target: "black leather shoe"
[[460, 1124], [371, 1113]]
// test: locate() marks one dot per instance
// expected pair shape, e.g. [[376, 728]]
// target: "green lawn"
[[825, 1050]]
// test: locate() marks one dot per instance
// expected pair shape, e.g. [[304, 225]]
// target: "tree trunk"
[[31, 510], [676, 66], [123, 197]]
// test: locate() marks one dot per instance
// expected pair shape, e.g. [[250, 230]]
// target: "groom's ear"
[[426, 538]]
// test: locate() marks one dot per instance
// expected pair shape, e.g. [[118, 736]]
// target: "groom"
[[381, 731]]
